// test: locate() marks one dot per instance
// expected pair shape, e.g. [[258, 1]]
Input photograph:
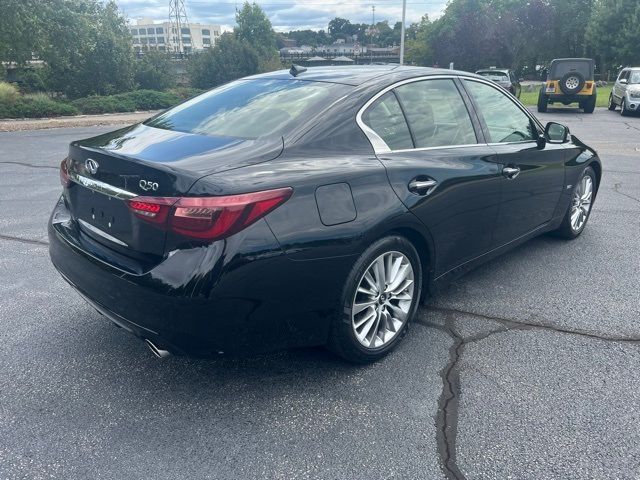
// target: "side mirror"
[[556, 133], [623, 81]]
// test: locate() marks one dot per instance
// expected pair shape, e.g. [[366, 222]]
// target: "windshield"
[[249, 108], [495, 76], [634, 77]]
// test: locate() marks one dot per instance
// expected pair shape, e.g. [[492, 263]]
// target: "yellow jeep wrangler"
[[570, 80]]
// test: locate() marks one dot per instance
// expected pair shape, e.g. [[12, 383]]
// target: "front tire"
[[380, 297], [623, 108], [575, 220], [612, 104]]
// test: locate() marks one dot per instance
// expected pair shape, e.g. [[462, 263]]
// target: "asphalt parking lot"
[[527, 368]]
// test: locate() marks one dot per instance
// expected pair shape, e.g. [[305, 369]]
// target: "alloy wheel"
[[581, 204], [383, 300]]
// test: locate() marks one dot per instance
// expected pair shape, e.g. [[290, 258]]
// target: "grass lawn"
[[531, 98]]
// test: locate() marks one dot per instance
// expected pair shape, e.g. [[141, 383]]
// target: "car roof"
[[573, 60], [358, 74], [503, 70]]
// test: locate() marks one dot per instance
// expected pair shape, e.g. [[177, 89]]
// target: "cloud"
[[288, 14]]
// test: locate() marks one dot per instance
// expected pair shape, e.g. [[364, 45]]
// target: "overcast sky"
[[287, 14]]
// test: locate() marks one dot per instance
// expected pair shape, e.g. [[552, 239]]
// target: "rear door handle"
[[421, 187], [511, 172]]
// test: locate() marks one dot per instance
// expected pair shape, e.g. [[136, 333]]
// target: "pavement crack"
[[30, 165], [448, 403], [28, 241], [616, 188], [514, 324], [631, 126]]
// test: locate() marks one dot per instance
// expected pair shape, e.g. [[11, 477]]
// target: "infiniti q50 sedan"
[[310, 207]]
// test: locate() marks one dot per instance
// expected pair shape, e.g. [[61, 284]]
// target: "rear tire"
[[589, 106], [579, 210], [543, 101], [379, 299]]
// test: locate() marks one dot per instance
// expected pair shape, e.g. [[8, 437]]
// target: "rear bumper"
[[238, 295], [561, 97]]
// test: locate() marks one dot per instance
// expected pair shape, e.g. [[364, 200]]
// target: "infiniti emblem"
[[91, 165]]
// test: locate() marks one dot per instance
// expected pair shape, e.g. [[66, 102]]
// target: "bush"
[[126, 102], [9, 93], [184, 93], [35, 106]]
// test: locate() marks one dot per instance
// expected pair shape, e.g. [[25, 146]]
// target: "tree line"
[[86, 47], [522, 34]]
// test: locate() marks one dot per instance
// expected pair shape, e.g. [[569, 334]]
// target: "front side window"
[[505, 122], [250, 108], [386, 119], [436, 114]]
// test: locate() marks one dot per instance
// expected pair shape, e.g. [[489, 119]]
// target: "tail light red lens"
[[65, 180], [209, 218]]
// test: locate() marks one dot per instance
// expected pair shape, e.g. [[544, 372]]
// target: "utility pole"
[[373, 28], [404, 13], [177, 21]]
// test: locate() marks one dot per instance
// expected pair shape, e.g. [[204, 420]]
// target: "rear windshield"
[[559, 69], [495, 76], [250, 108]]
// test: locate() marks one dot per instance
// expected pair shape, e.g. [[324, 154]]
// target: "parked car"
[[569, 80], [505, 78], [626, 91], [311, 207]]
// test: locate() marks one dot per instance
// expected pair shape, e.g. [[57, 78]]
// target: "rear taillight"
[[65, 179], [208, 218]]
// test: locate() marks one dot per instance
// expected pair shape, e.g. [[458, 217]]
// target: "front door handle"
[[421, 187], [511, 172]]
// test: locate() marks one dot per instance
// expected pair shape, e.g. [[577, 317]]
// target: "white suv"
[[626, 91]]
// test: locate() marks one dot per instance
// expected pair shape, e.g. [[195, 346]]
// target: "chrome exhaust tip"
[[158, 352]]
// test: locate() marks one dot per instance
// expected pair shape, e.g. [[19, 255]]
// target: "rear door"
[[438, 166], [533, 178]]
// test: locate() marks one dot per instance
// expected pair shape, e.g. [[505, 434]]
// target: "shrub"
[[127, 102], [9, 93], [108, 104], [183, 93], [35, 106]]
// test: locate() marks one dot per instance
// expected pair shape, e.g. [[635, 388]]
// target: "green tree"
[[613, 33], [22, 24], [155, 71], [254, 27], [230, 59]]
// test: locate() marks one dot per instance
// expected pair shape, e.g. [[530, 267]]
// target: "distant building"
[[148, 35], [343, 48]]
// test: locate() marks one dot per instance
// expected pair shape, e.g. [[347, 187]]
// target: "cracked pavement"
[[526, 368]]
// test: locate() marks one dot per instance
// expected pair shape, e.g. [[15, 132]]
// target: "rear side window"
[[436, 113], [386, 119], [505, 121], [250, 108]]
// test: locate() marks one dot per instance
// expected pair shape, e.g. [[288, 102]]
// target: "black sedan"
[[310, 207]]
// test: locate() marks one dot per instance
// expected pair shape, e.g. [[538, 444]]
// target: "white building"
[[148, 35]]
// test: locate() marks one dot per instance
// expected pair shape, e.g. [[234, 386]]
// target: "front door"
[[533, 178]]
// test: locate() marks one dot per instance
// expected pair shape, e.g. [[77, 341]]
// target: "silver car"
[[626, 91]]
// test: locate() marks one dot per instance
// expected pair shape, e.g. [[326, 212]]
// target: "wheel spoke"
[[365, 319], [359, 307]]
